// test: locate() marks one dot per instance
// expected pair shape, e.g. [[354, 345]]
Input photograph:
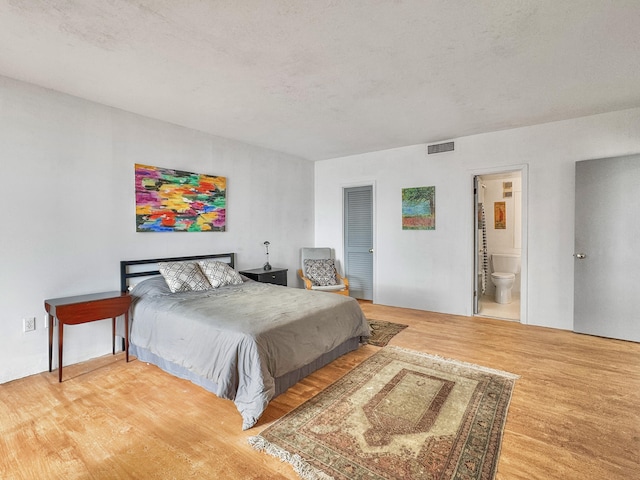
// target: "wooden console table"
[[87, 308]]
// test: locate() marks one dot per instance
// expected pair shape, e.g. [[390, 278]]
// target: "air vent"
[[440, 147]]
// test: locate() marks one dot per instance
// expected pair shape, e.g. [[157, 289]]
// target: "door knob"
[[371, 250], [580, 256]]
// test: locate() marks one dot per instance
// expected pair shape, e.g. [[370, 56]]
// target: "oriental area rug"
[[398, 415], [382, 332]]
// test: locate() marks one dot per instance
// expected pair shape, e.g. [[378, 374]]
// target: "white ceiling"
[[327, 78]]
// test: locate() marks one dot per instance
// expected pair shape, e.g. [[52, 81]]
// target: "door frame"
[[343, 187], [476, 248], [524, 270]]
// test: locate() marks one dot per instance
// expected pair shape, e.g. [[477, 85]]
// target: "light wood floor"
[[575, 411]]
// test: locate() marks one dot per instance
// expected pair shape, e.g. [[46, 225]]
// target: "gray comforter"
[[239, 338]]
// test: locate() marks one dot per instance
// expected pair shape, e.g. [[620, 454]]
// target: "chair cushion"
[[328, 288], [320, 272], [313, 253]]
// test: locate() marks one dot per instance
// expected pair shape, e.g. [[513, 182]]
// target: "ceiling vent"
[[440, 147]]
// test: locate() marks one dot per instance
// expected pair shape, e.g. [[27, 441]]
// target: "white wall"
[[505, 240], [502, 240], [68, 210], [433, 270]]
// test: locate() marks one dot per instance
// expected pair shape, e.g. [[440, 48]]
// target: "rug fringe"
[[493, 371], [301, 466]]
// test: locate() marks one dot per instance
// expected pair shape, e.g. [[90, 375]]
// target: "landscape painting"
[[419, 208], [170, 200]]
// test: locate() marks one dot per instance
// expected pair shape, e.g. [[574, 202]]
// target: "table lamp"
[[267, 266]]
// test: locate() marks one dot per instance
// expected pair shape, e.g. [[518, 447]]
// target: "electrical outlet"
[[29, 324]]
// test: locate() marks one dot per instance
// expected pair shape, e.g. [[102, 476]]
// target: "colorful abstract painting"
[[419, 208], [175, 201]]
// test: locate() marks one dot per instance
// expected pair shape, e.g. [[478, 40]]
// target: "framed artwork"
[[176, 201], [419, 208], [500, 215], [507, 191]]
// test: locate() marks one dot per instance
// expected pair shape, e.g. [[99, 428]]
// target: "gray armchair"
[[319, 279]]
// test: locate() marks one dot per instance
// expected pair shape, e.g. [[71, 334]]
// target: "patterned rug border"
[[454, 361], [307, 472], [299, 464], [383, 341]]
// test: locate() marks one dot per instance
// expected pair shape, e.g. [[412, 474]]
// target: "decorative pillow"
[[183, 276], [220, 273], [320, 272]]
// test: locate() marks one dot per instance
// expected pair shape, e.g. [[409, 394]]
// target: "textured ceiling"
[[322, 79]]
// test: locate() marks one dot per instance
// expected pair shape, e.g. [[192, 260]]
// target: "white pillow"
[[183, 276], [220, 273]]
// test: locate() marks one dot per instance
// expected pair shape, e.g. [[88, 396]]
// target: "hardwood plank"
[[573, 415]]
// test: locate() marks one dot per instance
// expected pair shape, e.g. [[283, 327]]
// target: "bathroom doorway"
[[498, 242]]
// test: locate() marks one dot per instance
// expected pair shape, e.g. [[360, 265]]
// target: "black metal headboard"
[[125, 274]]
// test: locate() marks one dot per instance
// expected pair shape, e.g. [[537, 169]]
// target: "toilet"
[[504, 268]]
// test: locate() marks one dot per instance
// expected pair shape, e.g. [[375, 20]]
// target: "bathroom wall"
[[507, 240]]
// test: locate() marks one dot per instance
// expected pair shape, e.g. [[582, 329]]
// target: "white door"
[[358, 241], [607, 258]]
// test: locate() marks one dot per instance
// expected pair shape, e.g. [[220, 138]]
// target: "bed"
[[247, 342]]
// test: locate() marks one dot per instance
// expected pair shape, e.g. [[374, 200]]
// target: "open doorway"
[[498, 228]]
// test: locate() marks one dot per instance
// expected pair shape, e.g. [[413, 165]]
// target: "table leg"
[[50, 341], [60, 333], [126, 335], [113, 336]]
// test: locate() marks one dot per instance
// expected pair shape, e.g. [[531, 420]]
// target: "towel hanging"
[[485, 261]]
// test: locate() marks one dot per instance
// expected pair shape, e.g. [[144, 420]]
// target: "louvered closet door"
[[358, 241]]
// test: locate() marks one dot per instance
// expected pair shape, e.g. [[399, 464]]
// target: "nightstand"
[[87, 308], [277, 276]]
